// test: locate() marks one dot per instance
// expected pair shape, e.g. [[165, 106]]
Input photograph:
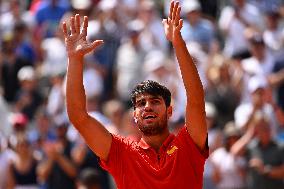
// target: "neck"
[[156, 141]]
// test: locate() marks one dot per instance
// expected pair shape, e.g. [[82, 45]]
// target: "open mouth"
[[149, 117]]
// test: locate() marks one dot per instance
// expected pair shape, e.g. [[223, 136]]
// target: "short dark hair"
[[153, 88], [89, 177]]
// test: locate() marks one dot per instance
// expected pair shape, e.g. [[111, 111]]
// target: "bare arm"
[[95, 135], [67, 165], [195, 108], [44, 169], [239, 146], [276, 172], [10, 178]]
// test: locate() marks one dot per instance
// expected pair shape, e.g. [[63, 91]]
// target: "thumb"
[[165, 21], [180, 24], [97, 43], [94, 45]]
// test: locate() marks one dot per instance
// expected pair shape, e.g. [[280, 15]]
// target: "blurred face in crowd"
[[151, 114], [272, 21], [22, 147], [193, 17], [43, 123], [239, 3], [61, 132], [263, 131], [258, 97], [258, 50]]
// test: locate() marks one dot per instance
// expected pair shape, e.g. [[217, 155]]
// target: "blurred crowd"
[[237, 46]]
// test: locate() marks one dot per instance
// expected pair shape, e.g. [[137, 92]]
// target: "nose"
[[148, 105]]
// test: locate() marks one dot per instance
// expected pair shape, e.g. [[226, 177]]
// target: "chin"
[[152, 129]]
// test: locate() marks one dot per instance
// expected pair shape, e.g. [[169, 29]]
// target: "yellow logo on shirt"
[[172, 150]]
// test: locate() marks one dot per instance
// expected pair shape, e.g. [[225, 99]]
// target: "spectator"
[[215, 139], [276, 79], [259, 103], [234, 21], [265, 156], [197, 29], [223, 90], [10, 65], [58, 169], [89, 179], [28, 98], [230, 168], [130, 58], [273, 34], [5, 159], [84, 159], [23, 169], [150, 37], [48, 17]]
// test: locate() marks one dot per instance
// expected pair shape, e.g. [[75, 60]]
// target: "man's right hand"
[[76, 44], [173, 24]]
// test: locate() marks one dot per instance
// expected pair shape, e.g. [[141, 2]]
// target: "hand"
[[257, 164], [50, 150], [173, 24], [76, 43]]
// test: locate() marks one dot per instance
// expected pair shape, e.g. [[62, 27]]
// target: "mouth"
[[149, 117]]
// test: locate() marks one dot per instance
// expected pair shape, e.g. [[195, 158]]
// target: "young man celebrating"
[[160, 159]]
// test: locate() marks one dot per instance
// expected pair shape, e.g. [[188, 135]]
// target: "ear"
[[170, 111]]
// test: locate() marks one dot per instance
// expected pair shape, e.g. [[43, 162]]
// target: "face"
[[257, 50], [263, 131], [257, 97], [151, 114], [22, 147]]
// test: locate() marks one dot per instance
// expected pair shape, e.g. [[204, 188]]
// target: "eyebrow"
[[151, 98]]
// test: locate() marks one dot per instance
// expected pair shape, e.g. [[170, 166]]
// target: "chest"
[[270, 155], [159, 168]]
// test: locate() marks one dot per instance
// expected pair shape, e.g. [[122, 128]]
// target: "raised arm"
[[95, 135], [195, 107]]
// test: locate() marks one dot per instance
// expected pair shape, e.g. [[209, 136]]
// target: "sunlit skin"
[[151, 114], [257, 97], [77, 47]]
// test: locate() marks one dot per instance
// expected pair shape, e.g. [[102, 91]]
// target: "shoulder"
[[184, 139], [121, 144], [119, 151]]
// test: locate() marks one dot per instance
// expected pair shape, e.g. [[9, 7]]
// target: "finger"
[[72, 25], [94, 45], [165, 21], [175, 10], [85, 23], [85, 26], [177, 17], [171, 10], [64, 29], [77, 23], [97, 43], [180, 24]]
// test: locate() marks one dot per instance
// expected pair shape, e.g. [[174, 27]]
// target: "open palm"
[[173, 24], [76, 43]]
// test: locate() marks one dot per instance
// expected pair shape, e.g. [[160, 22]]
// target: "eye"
[[140, 103], [156, 101]]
